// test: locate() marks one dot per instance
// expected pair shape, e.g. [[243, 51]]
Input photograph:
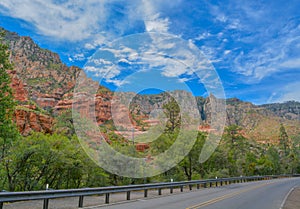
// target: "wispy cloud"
[[249, 42], [261, 42], [68, 20], [271, 57], [152, 19], [289, 92], [291, 63], [80, 20], [170, 56]]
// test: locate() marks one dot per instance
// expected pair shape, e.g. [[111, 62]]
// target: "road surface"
[[252, 195]]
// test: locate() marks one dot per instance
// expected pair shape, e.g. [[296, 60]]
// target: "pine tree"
[[7, 102], [172, 111], [283, 139], [8, 130], [6, 98]]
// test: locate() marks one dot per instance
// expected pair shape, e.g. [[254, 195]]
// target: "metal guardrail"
[[46, 195]]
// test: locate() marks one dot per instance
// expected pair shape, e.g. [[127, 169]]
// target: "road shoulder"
[[293, 200]]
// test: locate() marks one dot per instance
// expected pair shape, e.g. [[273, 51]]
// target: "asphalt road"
[[252, 195]]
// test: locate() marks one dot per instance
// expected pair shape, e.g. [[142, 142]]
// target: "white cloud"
[[226, 52], [269, 55], [98, 40], [122, 52], [234, 24], [70, 20], [152, 19], [183, 80], [101, 62], [89, 21], [267, 59], [123, 60], [203, 36], [78, 57], [289, 92], [172, 56], [156, 24], [291, 63], [257, 43]]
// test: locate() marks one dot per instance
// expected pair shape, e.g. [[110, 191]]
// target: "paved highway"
[[252, 195]]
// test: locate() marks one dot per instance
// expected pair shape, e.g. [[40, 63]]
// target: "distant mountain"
[[288, 110], [259, 122], [44, 86]]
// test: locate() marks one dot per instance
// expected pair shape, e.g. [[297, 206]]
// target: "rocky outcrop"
[[102, 106], [28, 119], [19, 91], [38, 77], [47, 79]]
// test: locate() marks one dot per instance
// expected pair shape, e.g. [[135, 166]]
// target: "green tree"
[[41, 159], [236, 147], [283, 139], [8, 130], [232, 133], [273, 156], [172, 111], [190, 164], [64, 124]]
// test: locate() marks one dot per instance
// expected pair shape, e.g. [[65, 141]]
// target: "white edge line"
[[285, 198]]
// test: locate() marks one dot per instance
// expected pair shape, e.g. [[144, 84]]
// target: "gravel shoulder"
[[293, 200]]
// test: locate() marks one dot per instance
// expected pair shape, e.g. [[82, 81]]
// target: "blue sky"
[[254, 46]]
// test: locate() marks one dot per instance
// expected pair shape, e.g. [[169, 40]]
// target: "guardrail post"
[[181, 188], [46, 203], [191, 187], [210, 184], [128, 195], [216, 184], [171, 190], [1, 205], [146, 193], [159, 191], [198, 186], [80, 204], [221, 183], [107, 198]]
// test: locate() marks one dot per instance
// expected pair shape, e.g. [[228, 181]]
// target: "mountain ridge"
[[41, 81]]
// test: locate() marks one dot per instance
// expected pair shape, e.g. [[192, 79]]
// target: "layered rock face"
[[43, 72], [41, 78], [38, 78], [20, 93], [28, 120]]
